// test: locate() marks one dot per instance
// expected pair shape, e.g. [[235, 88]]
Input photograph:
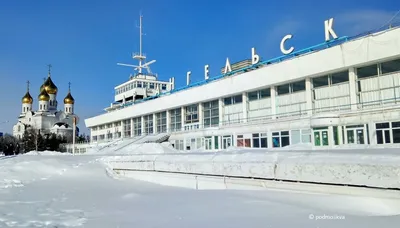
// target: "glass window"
[[299, 86], [320, 81], [260, 140], [265, 93], [340, 77], [252, 96], [367, 71], [283, 89], [191, 114], [211, 113], [390, 67]]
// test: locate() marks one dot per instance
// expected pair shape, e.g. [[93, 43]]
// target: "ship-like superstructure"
[[140, 85]]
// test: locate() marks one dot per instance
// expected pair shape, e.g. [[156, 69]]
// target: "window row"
[[379, 69], [140, 84]]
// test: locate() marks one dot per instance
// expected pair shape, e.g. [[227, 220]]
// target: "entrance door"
[[208, 143], [355, 135], [321, 137], [226, 142]]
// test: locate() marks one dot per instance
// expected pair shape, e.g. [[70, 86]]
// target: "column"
[[201, 115], [309, 105], [273, 102], [340, 134], [154, 123], [123, 130], [183, 118], [352, 87], [143, 126], [245, 107], [365, 134], [221, 111], [372, 133], [132, 129], [168, 121], [331, 136]]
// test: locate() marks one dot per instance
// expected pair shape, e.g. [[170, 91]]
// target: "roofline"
[[309, 50]]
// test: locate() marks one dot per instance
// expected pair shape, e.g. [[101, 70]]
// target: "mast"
[[140, 48], [140, 56]]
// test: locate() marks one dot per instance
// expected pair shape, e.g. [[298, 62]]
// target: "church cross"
[[27, 83], [49, 65], [69, 86]]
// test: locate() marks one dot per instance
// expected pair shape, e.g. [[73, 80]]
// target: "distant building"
[[47, 118]]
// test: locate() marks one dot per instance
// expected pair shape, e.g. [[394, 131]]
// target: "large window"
[[387, 132], [280, 139], [176, 120], [260, 140], [211, 113], [161, 122], [192, 113], [300, 136], [127, 128], [241, 141], [390, 66], [260, 94], [137, 126], [148, 124], [331, 79], [233, 100], [291, 87]]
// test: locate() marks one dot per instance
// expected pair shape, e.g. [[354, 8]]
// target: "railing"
[[290, 116]]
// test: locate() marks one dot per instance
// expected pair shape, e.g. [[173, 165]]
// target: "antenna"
[[139, 56]]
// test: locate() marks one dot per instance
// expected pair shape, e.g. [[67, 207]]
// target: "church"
[[47, 118]]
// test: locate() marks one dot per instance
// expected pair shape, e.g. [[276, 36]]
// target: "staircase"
[[158, 138]]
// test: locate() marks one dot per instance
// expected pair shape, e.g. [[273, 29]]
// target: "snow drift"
[[373, 167]]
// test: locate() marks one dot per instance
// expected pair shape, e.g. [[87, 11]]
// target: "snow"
[[361, 167], [46, 190]]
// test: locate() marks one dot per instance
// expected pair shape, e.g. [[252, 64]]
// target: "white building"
[[344, 91], [47, 118]]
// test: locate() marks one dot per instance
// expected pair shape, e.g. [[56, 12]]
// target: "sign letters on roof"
[[255, 58]]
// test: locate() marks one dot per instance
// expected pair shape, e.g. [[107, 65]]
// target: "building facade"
[[342, 94], [47, 118]]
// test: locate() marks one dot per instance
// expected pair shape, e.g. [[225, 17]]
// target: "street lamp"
[[75, 121]]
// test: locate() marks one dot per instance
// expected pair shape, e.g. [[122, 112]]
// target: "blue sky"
[[84, 40]]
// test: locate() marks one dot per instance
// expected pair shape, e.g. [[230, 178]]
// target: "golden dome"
[[27, 99], [69, 99], [49, 86], [43, 96]]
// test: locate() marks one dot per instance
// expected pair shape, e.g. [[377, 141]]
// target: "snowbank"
[[372, 167]]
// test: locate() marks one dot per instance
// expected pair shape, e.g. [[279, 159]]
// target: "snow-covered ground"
[[361, 167], [61, 190]]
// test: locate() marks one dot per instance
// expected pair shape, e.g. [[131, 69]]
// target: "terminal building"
[[344, 91]]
